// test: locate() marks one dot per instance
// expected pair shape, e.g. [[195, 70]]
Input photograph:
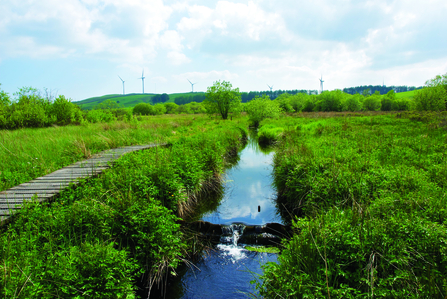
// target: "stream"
[[227, 270]]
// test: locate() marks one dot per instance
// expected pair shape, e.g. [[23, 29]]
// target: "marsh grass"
[[370, 194], [119, 231], [30, 153]]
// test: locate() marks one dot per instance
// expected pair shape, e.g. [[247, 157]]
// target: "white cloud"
[[231, 20], [207, 76], [249, 43]]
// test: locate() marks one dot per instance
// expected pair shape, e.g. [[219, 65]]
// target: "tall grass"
[[120, 230], [371, 195], [30, 153]]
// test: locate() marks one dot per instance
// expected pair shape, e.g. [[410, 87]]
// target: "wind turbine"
[[142, 79], [192, 85], [271, 87], [123, 83], [321, 83]]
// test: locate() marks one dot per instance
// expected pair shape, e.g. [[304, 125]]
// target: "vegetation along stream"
[[247, 205]]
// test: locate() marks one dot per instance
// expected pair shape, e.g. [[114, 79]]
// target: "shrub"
[[171, 108], [330, 101], [431, 98], [98, 115], [353, 103], [372, 103], [259, 109], [65, 111], [143, 109]]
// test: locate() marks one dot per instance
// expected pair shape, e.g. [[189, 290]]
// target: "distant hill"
[[129, 100], [406, 94]]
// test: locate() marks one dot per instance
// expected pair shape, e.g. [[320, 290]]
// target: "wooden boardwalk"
[[46, 187]]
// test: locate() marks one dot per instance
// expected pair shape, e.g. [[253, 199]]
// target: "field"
[[366, 193], [120, 228], [406, 94], [369, 196]]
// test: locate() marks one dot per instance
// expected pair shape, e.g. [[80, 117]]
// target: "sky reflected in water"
[[248, 186]]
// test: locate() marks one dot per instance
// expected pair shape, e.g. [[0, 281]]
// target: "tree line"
[[382, 89], [222, 99]]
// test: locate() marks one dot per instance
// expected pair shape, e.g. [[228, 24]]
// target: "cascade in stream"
[[231, 233]]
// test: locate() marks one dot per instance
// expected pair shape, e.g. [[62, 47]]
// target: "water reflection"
[[226, 271], [248, 189], [223, 273]]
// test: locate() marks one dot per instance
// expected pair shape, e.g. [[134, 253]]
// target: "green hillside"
[[128, 100], [406, 94]]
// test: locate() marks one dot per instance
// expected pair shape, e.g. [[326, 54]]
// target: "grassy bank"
[[30, 153], [99, 239], [370, 193]]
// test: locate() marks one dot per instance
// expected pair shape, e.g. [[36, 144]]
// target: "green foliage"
[[297, 101], [372, 103], [259, 109], [160, 98], [437, 81], [107, 104], [402, 104], [370, 192], [66, 112], [431, 98], [143, 109], [171, 108], [269, 133], [159, 109], [352, 103], [5, 100], [96, 240], [309, 104], [284, 102], [100, 116], [222, 99], [330, 101]]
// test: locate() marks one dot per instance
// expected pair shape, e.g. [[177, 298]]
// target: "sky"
[[79, 48]]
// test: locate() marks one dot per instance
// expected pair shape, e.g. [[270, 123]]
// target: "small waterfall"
[[231, 233]]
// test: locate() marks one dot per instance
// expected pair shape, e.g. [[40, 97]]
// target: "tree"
[[434, 95], [222, 99], [262, 108], [372, 103], [431, 98], [4, 98], [143, 109], [171, 107], [353, 103]]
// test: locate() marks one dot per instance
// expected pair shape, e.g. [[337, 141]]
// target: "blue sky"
[[78, 48]]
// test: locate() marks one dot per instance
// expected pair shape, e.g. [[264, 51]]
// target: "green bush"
[[66, 112], [143, 109], [330, 101], [99, 115], [353, 103], [352, 254], [259, 109], [371, 194], [171, 108], [431, 98], [372, 103]]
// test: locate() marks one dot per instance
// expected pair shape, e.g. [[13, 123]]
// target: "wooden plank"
[[12, 201], [10, 206], [29, 196], [30, 191], [41, 186]]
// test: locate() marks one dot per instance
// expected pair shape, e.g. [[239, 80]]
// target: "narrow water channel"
[[227, 270]]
